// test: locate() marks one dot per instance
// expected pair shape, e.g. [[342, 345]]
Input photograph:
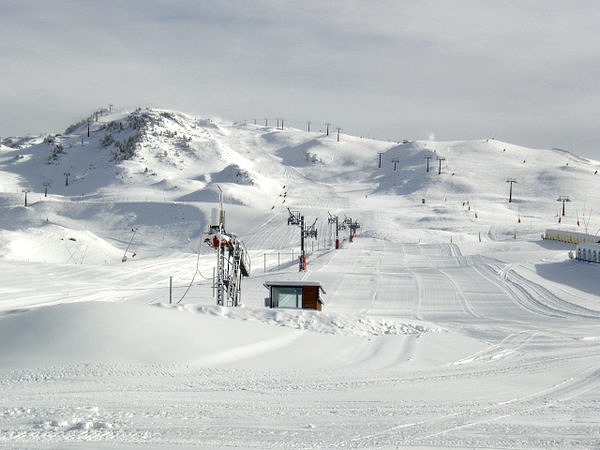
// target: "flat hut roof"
[[268, 284]]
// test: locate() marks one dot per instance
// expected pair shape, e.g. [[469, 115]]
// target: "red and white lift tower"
[[347, 223], [334, 221], [352, 225], [295, 218], [233, 261]]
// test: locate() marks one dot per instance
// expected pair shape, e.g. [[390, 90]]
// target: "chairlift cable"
[[192, 280], [197, 272], [198, 261]]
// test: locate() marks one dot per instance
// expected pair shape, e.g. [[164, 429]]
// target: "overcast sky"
[[527, 72]]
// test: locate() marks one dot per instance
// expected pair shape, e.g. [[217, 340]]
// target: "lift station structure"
[[233, 261]]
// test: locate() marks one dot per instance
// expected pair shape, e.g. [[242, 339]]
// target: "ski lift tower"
[[563, 199], [233, 261], [295, 218], [334, 220], [352, 225]]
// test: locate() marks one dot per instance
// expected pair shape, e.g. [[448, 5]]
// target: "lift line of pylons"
[[352, 225], [233, 261], [347, 223], [295, 218]]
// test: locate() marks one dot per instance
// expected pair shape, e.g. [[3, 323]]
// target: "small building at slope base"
[[294, 294]]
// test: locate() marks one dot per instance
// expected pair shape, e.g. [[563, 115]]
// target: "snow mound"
[[305, 154], [127, 333], [233, 174], [316, 321], [210, 194], [166, 185], [56, 244]]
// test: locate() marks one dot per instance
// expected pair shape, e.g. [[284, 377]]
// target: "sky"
[[523, 71]]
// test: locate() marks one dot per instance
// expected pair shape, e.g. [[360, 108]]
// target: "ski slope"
[[448, 322]]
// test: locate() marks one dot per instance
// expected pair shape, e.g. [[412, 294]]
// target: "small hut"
[[294, 294]]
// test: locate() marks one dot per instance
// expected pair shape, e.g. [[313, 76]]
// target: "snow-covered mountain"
[[448, 321], [159, 170]]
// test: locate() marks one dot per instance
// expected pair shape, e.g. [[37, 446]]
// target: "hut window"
[[286, 297]]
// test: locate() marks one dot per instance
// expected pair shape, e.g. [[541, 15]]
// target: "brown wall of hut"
[[310, 298]]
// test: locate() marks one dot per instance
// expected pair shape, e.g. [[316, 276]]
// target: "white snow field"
[[448, 322]]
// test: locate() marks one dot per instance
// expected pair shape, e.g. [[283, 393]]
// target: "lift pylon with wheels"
[[233, 262]]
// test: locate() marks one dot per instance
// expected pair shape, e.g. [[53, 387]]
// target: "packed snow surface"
[[447, 322]]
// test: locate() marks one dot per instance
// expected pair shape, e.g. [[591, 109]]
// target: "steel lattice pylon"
[[233, 262]]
